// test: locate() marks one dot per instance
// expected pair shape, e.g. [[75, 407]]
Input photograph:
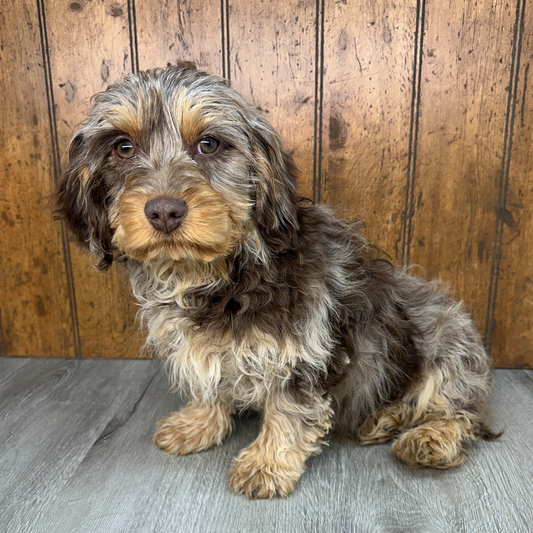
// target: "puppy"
[[258, 299]]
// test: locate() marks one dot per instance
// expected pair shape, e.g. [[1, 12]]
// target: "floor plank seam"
[[529, 373], [113, 426]]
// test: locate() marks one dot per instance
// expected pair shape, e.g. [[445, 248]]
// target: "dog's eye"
[[125, 149], [208, 146]]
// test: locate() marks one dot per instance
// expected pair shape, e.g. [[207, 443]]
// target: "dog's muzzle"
[[165, 214]]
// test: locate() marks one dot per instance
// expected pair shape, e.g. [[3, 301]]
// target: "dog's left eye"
[[125, 149], [207, 146]]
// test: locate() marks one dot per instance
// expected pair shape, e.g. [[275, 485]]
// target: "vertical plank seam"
[[504, 170], [413, 131], [132, 24], [56, 161], [319, 101], [225, 45], [3, 349]]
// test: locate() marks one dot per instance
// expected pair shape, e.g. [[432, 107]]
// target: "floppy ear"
[[80, 201], [274, 176]]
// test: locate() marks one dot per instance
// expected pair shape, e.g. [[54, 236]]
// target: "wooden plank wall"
[[415, 116]]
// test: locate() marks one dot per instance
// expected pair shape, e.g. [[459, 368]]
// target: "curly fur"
[[261, 300]]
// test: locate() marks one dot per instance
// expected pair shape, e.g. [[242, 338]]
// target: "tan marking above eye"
[[125, 149], [208, 146]]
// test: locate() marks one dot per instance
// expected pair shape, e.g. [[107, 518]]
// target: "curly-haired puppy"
[[258, 299]]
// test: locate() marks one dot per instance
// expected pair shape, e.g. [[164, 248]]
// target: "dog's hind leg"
[[449, 412], [432, 425], [384, 424], [439, 443]]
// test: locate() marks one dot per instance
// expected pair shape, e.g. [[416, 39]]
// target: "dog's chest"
[[219, 350], [215, 361]]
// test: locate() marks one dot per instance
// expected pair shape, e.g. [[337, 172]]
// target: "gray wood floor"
[[76, 455]]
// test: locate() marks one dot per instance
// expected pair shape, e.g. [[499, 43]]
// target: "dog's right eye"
[[208, 146], [125, 149]]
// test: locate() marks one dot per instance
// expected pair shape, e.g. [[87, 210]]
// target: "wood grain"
[[180, 31], [67, 409], [89, 48], [460, 143], [272, 64], [397, 113], [512, 339], [76, 454], [34, 294], [369, 51]]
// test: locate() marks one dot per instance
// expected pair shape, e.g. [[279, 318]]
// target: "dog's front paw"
[[257, 476], [193, 429]]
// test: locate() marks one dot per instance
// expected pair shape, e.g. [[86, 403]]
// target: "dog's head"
[[174, 164]]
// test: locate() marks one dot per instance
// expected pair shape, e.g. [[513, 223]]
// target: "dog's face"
[[174, 164]]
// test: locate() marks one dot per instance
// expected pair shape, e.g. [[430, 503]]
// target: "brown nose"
[[165, 214]]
